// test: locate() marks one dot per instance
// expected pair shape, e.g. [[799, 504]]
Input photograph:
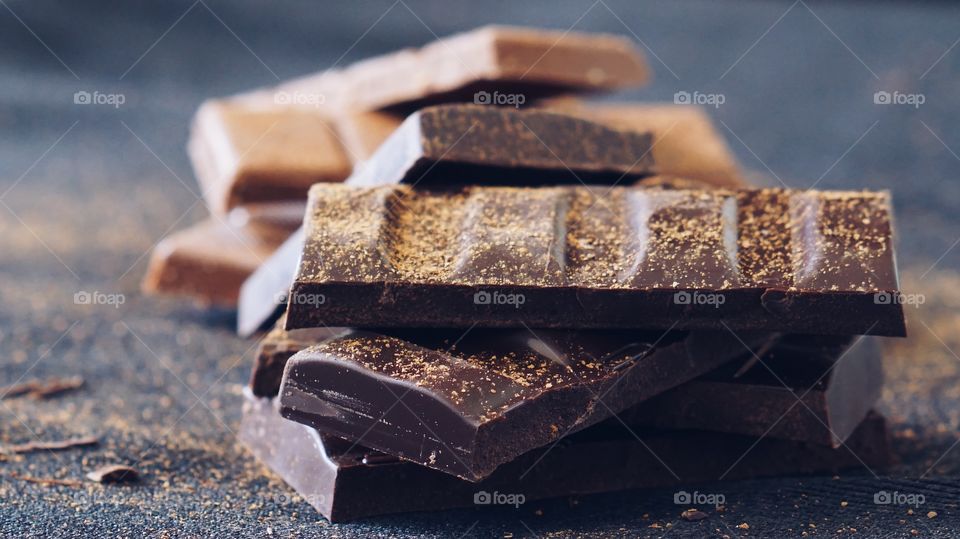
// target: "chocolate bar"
[[243, 153], [497, 65], [457, 144], [210, 260], [798, 391], [582, 257], [344, 481], [685, 142], [467, 402], [362, 132], [276, 348]]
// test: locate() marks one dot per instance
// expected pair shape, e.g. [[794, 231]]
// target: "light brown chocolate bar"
[[362, 132], [210, 260], [245, 152], [686, 142], [489, 65]]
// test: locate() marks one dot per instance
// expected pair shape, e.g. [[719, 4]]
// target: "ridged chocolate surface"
[[465, 404], [763, 259]]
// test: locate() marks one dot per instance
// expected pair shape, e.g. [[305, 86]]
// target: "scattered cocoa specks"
[[40, 389], [693, 515], [45, 480], [743, 526], [53, 445], [114, 473], [932, 514]]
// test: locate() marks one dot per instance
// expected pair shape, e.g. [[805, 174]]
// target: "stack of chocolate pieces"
[[545, 300]]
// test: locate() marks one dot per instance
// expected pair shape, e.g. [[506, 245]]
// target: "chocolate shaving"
[[38, 389], [693, 515], [53, 445], [115, 473], [46, 481]]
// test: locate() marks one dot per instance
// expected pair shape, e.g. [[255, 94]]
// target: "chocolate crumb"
[[54, 445], [115, 473], [693, 515]]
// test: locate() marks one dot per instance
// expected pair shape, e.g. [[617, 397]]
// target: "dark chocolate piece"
[[836, 387], [263, 294], [581, 257], [467, 402], [345, 481], [276, 348], [458, 144]]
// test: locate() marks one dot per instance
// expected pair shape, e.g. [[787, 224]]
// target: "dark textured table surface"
[[87, 190]]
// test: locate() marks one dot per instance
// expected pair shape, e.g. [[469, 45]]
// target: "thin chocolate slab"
[[210, 260], [344, 482], [685, 141], [276, 348], [467, 402], [492, 64], [457, 144], [245, 153], [582, 257], [264, 293], [798, 391]]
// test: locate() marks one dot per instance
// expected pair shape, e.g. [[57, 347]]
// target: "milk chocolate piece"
[[685, 141], [264, 293], [581, 257], [344, 481], [210, 260], [362, 132], [457, 144], [467, 402], [245, 153], [837, 385], [489, 65]]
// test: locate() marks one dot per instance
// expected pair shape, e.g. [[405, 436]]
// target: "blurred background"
[[816, 94]]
